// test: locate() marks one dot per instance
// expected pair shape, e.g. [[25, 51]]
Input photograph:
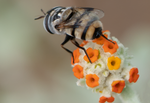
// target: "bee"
[[74, 22]]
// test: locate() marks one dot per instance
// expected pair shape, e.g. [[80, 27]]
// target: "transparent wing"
[[81, 17], [92, 11]]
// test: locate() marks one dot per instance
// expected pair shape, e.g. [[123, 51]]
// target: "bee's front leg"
[[67, 38], [77, 44]]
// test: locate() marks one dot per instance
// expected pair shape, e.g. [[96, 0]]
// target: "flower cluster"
[[110, 70]]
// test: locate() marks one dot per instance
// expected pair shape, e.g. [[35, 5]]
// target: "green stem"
[[128, 95]]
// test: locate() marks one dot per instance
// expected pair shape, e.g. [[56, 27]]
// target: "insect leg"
[[64, 42], [107, 39], [77, 44]]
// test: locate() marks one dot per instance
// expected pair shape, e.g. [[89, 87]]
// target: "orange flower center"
[[91, 54], [117, 85], [92, 79], [110, 46], [113, 63], [79, 71], [133, 75]]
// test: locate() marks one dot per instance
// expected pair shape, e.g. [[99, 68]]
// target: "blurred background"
[[35, 69]]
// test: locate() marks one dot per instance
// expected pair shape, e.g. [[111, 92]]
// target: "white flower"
[[110, 68]]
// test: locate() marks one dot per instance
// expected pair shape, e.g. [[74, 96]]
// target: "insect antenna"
[[108, 39], [43, 12], [41, 16]]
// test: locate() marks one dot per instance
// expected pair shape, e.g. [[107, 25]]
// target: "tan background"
[[35, 69]]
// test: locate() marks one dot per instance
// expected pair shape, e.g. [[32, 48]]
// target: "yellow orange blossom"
[[92, 80], [104, 99], [76, 55], [78, 71], [100, 40], [118, 85], [110, 47], [113, 63], [93, 55], [133, 75]]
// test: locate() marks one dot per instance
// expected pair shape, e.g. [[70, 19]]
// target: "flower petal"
[[118, 85], [100, 40], [76, 55], [78, 71], [92, 80], [133, 75], [93, 55], [110, 47], [113, 63], [104, 99]]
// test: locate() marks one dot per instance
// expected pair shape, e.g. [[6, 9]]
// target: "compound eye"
[[56, 17], [67, 14]]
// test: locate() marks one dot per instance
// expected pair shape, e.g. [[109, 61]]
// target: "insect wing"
[[81, 14], [93, 12], [98, 13]]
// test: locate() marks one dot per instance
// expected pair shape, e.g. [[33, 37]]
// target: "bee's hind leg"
[[64, 42], [77, 44]]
